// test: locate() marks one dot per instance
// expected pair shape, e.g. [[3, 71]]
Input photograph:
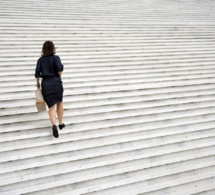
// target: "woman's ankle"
[[61, 126]]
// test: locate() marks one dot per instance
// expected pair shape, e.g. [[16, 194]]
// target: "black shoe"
[[62, 126], [55, 131]]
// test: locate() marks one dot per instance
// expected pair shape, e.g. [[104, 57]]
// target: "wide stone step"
[[126, 56], [64, 52], [112, 66], [86, 30], [111, 42], [75, 85], [127, 22], [170, 103], [122, 46], [120, 34], [144, 75], [117, 87], [114, 112], [106, 25], [82, 132], [26, 141], [120, 97], [136, 151], [136, 186], [188, 188], [113, 17], [112, 70], [118, 178], [76, 71], [140, 163], [114, 93], [112, 61], [62, 156], [132, 37], [73, 102], [209, 192], [53, 148]]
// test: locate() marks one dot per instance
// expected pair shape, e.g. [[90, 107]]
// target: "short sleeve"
[[38, 69], [58, 64]]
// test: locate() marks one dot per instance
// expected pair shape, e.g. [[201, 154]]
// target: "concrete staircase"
[[139, 98]]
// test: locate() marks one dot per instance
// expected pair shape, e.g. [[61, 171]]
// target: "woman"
[[49, 68]]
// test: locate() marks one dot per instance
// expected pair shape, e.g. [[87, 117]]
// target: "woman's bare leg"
[[52, 115], [60, 112]]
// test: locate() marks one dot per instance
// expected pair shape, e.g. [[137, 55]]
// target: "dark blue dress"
[[52, 88]]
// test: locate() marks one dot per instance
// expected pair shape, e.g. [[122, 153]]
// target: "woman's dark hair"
[[48, 48]]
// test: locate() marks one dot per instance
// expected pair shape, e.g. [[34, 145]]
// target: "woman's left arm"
[[38, 82], [37, 73]]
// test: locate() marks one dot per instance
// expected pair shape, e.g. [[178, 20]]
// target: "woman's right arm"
[[59, 65], [60, 74]]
